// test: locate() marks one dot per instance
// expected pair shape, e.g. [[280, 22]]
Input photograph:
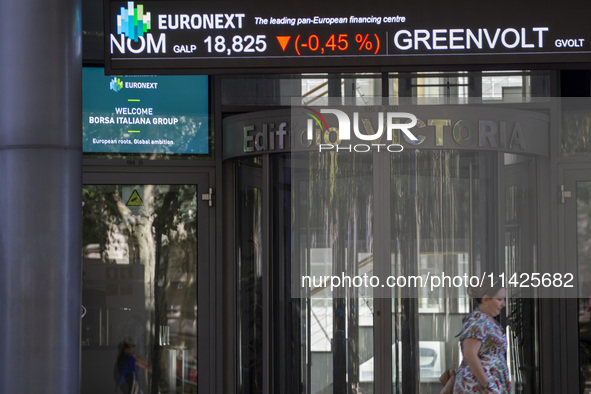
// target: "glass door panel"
[[444, 224], [439, 226], [140, 248], [250, 244], [333, 196], [576, 249], [520, 244]]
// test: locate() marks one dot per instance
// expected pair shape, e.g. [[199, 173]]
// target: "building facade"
[[195, 248]]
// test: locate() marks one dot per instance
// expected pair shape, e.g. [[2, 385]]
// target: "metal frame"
[[570, 175]]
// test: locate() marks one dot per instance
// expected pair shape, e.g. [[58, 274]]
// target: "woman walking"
[[484, 345]]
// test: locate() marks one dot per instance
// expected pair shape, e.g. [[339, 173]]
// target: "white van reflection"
[[431, 361]]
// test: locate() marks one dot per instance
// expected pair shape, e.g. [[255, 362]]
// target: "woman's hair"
[[488, 288]]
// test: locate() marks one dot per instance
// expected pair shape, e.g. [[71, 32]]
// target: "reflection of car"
[[187, 371], [427, 357], [430, 362]]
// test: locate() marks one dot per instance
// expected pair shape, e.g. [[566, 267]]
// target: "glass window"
[[575, 133], [434, 85], [278, 90], [490, 86], [260, 90], [497, 86], [317, 87]]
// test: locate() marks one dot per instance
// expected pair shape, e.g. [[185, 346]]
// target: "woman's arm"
[[470, 348], [142, 363]]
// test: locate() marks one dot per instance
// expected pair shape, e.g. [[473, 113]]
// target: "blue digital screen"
[[145, 114]]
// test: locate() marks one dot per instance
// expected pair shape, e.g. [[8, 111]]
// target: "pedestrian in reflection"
[[484, 344], [126, 368]]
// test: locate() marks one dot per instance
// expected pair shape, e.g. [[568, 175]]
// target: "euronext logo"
[[132, 33], [132, 22], [116, 84]]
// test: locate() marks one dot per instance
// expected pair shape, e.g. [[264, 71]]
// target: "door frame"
[[207, 301]]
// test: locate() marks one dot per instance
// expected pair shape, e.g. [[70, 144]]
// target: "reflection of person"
[[126, 368], [484, 345]]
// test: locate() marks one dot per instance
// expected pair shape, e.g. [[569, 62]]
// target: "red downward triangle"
[[283, 41]]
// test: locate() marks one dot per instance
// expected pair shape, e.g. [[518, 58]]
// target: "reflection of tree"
[[170, 233], [100, 216], [161, 235], [138, 221], [576, 133], [175, 236]]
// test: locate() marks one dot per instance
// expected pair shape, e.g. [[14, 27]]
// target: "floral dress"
[[492, 356]]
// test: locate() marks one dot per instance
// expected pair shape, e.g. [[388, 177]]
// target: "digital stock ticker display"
[[200, 36]]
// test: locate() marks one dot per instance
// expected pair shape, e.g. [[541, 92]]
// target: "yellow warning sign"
[[135, 200]]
